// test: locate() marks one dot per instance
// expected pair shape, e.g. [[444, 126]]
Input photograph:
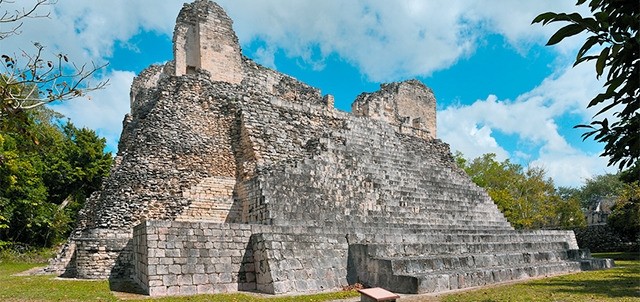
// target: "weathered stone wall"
[[177, 138], [409, 105], [273, 132], [102, 254], [260, 78], [357, 170], [204, 39], [281, 132], [142, 85], [211, 200], [300, 263], [185, 258], [181, 140], [180, 258]]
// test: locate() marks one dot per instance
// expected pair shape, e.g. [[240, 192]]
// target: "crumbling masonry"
[[232, 177]]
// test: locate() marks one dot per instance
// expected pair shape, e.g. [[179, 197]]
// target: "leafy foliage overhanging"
[[613, 31], [29, 79]]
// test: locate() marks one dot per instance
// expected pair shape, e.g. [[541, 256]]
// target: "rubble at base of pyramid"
[[234, 177]]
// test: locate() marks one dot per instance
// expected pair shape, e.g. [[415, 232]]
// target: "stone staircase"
[[210, 200], [415, 222], [425, 192], [379, 180], [443, 266]]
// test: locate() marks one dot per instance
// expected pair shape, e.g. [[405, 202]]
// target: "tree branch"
[[18, 15]]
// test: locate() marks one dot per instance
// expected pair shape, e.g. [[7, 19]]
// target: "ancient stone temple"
[[234, 177]]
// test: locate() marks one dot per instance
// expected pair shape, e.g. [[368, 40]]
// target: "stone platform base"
[[185, 258]]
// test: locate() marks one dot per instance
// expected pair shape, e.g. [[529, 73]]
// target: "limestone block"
[[158, 291]]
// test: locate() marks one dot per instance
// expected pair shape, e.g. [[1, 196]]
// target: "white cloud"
[[572, 168], [88, 30], [386, 40], [513, 19], [463, 131], [532, 118]]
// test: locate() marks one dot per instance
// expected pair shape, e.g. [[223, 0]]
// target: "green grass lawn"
[[619, 284], [48, 288]]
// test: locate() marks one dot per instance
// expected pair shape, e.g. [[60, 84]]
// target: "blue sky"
[[498, 88]]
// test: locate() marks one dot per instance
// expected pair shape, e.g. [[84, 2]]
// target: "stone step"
[[400, 233], [399, 247], [215, 209], [389, 251], [404, 239], [459, 279], [381, 223], [376, 217], [432, 212], [403, 185], [425, 264], [436, 218], [404, 200], [380, 273]]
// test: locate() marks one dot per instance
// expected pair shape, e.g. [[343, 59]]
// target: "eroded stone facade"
[[232, 176], [410, 106], [204, 39]]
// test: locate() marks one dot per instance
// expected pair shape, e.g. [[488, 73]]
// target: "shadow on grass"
[[125, 286], [612, 287], [618, 255]]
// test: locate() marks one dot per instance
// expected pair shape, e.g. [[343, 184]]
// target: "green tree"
[[46, 168], [527, 198], [625, 214], [613, 31], [75, 168], [601, 187], [46, 171], [632, 174], [22, 192], [569, 214]]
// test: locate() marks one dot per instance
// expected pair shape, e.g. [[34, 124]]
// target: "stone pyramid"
[[231, 176]]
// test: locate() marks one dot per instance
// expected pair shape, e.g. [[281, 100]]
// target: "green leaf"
[[598, 99], [614, 84], [606, 108], [615, 49], [602, 60], [544, 17], [589, 23], [587, 58], [575, 17], [601, 16], [587, 45], [565, 32]]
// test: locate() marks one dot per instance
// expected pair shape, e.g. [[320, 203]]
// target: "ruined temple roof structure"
[[231, 176]]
